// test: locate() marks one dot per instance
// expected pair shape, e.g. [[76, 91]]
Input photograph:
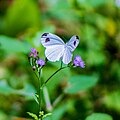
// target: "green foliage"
[[92, 3], [5, 88], [3, 116], [111, 100], [11, 45], [33, 115], [57, 113], [99, 116], [26, 91], [21, 15], [46, 115], [80, 83]]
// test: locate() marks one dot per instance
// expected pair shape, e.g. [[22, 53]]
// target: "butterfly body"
[[56, 49]]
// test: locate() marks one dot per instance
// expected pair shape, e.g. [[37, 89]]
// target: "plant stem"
[[39, 93], [53, 75]]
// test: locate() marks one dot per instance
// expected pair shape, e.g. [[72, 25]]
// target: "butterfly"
[[56, 49]]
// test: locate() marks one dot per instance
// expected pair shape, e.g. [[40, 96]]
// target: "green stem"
[[53, 75], [39, 93]]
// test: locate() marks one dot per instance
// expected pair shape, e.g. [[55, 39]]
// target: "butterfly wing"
[[49, 39], [54, 53], [67, 56], [70, 47], [54, 46], [73, 43]]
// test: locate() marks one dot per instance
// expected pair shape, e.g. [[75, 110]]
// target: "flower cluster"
[[34, 59], [78, 61], [33, 53]]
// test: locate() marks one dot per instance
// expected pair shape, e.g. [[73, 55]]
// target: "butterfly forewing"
[[73, 43], [49, 39]]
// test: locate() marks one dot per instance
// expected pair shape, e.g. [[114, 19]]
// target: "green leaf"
[[46, 115], [35, 96], [57, 113], [3, 116], [5, 88], [20, 16], [99, 116], [92, 3], [96, 57], [80, 82], [112, 100], [11, 45], [33, 115], [26, 91]]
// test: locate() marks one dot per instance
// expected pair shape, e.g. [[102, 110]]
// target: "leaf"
[[5, 88], [33, 115], [11, 45], [35, 98], [112, 100], [3, 116], [92, 3], [111, 27], [99, 116], [20, 16], [80, 82], [26, 91], [95, 57], [46, 115], [57, 113]]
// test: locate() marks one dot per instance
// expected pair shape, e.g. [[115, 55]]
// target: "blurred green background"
[[81, 92]]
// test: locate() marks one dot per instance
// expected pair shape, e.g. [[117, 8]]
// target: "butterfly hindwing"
[[54, 53], [73, 43], [67, 56]]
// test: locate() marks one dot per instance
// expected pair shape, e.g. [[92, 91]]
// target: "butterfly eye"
[[77, 37], [74, 43], [47, 40], [45, 34]]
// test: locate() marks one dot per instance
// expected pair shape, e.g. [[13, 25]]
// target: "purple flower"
[[40, 62], [33, 52], [78, 61]]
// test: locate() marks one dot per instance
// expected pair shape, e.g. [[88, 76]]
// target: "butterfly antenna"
[[64, 38]]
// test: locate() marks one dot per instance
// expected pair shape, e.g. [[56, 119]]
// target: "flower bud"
[[34, 68], [40, 62]]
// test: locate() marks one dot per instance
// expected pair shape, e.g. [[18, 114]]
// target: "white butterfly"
[[56, 49]]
